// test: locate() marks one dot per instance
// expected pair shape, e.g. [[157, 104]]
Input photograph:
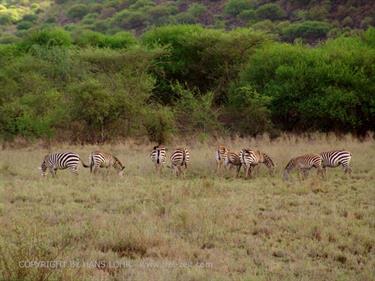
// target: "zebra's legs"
[[305, 173], [347, 169], [320, 171], [218, 166], [52, 171], [238, 170], [247, 171], [74, 170]]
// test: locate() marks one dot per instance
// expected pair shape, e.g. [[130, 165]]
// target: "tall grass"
[[202, 227]]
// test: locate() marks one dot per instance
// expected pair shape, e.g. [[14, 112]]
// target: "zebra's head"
[[121, 172], [119, 166], [43, 168]]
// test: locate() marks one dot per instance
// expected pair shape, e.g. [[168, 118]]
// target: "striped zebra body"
[[232, 159], [61, 161], [179, 159], [303, 164], [158, 156], [220, 154], [99, 159], [249, 158], [336, 158]]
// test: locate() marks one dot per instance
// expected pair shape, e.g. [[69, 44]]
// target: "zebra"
[[232, 159], [220, 154], [304, 163], [99, 159], [267, 161], [61, 161], [336, 158], [179, 159], [251, 158], [158, 156]]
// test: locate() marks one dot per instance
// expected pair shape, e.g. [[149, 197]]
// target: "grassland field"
[[202, 227]]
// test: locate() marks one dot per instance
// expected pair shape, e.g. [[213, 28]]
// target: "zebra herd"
[[180, 157]]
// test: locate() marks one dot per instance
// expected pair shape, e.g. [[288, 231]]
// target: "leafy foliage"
[[85, 86]]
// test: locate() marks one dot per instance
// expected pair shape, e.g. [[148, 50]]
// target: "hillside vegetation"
[[311, 20], [185, 80]]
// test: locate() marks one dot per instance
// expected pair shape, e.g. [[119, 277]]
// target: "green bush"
[[195, 113], [78, 11], [319, 13], [161, 14], [24, 25], [5, 19], [131, 19], [326, 88], [95, 39], [270, 11], [235, 7], [49, 37], [248, 112], [197, 10], [160, 124], [30, 18], [308, 30], [247, 15], [202, 59]]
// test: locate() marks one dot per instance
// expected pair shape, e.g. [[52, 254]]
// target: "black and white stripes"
[[179, 159], [61, 161], [251, 158], [336, 158], [99, 159], [303, 164], [158, 157]]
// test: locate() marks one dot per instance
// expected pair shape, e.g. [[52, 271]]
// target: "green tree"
[[270, 11]]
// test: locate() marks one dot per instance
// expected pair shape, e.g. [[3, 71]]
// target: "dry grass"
[[202, 227]]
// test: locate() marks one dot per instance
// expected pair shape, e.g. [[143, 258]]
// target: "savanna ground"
[[203, 227]]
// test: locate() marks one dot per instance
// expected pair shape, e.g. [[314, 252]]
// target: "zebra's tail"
[[91, 162]]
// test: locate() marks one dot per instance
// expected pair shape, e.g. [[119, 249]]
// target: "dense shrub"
[[327, 88], [235, 7], [95, 39], [270, 11], [5, 19], [308, 30], [30, 17], [182, 79], [48, 38], [159, 124], [78, 11], [24, 25], [195, 113], [247, 15], [131, 19], [197, 10], [248, 112], [202, 59]]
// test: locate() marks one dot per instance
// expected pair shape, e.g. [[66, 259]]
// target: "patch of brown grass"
[[203, 227]]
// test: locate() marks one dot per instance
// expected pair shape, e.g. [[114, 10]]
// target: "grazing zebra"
[[336, 158], [304, 163], [158, 156], [61, 161], [100, 159], [220, 154], [267, 161], [232, 159], [251, 158], [179, 159]]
